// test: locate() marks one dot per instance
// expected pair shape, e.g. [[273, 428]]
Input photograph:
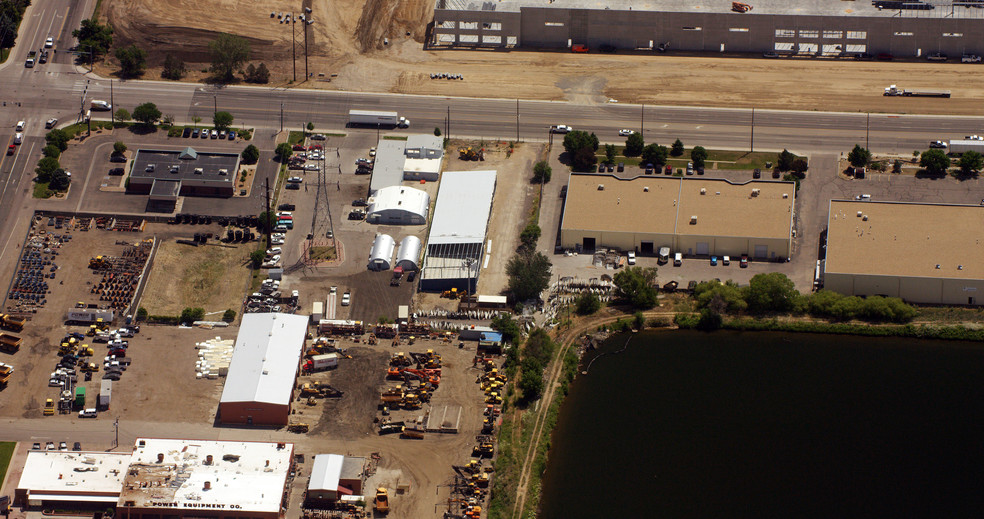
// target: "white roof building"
[[399, 205], [259, 386], [456, 241], [180, 477], [381, 255], [387, 169], [418, 158], [79, 477], [408, 256], [333, 476]]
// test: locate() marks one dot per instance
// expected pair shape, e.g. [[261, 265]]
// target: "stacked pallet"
[[214, 356]]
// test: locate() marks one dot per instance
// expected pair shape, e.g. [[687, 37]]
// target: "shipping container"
[[105, 394]]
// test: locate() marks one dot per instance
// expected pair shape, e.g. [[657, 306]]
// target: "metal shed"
[[381, 254], [409, 253]]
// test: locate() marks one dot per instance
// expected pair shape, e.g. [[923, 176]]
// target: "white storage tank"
[[381, 255], [409, 253]]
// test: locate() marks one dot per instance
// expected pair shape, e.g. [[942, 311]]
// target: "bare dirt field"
[[346, 41], [211, 276]]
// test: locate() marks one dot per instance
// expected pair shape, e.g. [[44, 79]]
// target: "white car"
[[274, 250], [311, 167], [276, 241], [49, 43], [970, 58], [631, 257], [372, 152], [50, 123], [295, 180], [18, 138], [561, 128], [625, 132], [284, 213], [974, 138], [20, 126], [275, 258], [346, 299]]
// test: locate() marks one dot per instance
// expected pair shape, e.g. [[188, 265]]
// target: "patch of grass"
[[6, 453], [325, 253], [716, 159], [394, 138], [4, 54], [333, 134], [41, 190], [76, 129], [295, 138]]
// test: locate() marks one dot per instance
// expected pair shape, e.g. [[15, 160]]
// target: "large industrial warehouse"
[[60, 479], [260, 385], [456, 241], [923, 253], [795, 27], [197, 478], [696, 217], [398, 205]]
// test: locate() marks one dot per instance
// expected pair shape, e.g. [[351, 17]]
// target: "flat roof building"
[[418, 158], [198, 478], [923, 253], [259, 387], [166, 174], [456, 240], [697, 217], [54, 479], [398, 205]]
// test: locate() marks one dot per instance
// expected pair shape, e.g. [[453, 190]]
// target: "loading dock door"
[[646, 247], [703, 248], [761, 251], [588, 244]]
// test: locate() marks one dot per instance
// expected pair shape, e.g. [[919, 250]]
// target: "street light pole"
[[751, 143], [306, 23], [281, 117], [642, 120], [867, 121], [293, 44]]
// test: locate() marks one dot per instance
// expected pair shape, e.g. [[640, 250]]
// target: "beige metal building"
[[923, 253], [694, 216]]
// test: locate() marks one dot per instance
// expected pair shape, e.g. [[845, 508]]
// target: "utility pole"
[[116, 425], [642, 120], [215, 105], [517, 120], [112, 102], [751, 143], [266, 218], [448, 132], [293, 44], [306, 23], [867, 123], [281, 117]]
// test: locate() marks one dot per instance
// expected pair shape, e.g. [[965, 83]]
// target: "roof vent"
[[785, 195], [864, 218], [756, 191], [703, 191], [208, 459], [693, 220], [859, 214], [160, 455], [601, 187], [208, 485], [645, 189]]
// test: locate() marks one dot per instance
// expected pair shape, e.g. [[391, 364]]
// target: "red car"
[[11, 149], [744, 261], [299, 147]]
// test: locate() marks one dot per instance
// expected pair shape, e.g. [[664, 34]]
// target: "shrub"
[[542, 172], [587, 304], [229, 315]]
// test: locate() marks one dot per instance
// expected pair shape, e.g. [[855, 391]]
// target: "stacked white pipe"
[[214, 356]]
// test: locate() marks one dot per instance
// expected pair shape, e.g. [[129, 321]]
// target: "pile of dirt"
[[391, 19], [360, 378]]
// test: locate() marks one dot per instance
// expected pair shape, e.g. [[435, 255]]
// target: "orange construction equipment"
[[740, 7]]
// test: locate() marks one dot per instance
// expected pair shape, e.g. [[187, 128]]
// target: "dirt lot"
[[211, 276], [168, 359], [347, 40]]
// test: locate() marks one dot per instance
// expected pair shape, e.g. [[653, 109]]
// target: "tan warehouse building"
[[923, 253], [693, 216]]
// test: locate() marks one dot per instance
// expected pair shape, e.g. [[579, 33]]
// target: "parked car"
[[621, 167], [770, 55], [601, 167], [50, 123], [318, 137], [714, 261], [631, 257], [690, 168], [50, 446], [214, 134], [311, 167], [117, 171], [36, 446], [668, 170], [346, 299], [194, 133], [677, 259], [726, 260], [186, 133], [937, 56], [232, 135], [863, 56], [222, 134], [611, 168], [77, 446], [757, 173], [649, 169], [884, 56], [62, 446], [938, 144], [625, 132], [561, 128], [295, 180], [744, 261], [204, 133]]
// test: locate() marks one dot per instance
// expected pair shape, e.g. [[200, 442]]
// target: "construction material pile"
[[214, 356]]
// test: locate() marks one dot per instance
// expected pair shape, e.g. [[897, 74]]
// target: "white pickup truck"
[[561, 128]]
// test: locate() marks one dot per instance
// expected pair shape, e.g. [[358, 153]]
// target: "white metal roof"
[[464, 203], [422, 145], [400, 198], [387, 170], [415, 166], [409, 254], [382, 251], [245, 476], [60, 475], [326, 472], [264, 362]]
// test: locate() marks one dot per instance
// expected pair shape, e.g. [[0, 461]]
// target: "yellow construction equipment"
[[49, 407], [91, 367], [297, 428], [470, 154], [99, 262], [381, 503], [400, 360], [740, 7]]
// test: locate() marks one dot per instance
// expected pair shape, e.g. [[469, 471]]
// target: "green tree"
[[229, 315], [284, 151], [174, 68], [504, 324], [587, 304], [698, 156], [531, 381], [51, 151], [529, 236], [897, 166], [639, 321], [121, 115], [709, 320], [785, 160], [141, 314], [46, 166], [677, 149], [190, 315], [971, 162], [934, 161], [147, 114], [539, 347], [772, 292], [119, 147], [584, 159], [529, 274], [859, 157], [58, 137], [633, 145], [609, 154], [720, 297], [437, 131], [196, 119], [269, 219], [655, 154], [132, 60], [635, 284], [251, 154], [310, 126], [11, 14], [256, 258], [228, 52], [59, 180], [799, 167], [579, 139], [94, 39], [542, 172], [222, 120]]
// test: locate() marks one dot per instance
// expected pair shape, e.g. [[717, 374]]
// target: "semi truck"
[[10, 343], [322, 362], [958, 146], [373, 118], [893, 90]]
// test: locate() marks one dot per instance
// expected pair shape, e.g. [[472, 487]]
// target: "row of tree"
[[934, 161], [11, 14]]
